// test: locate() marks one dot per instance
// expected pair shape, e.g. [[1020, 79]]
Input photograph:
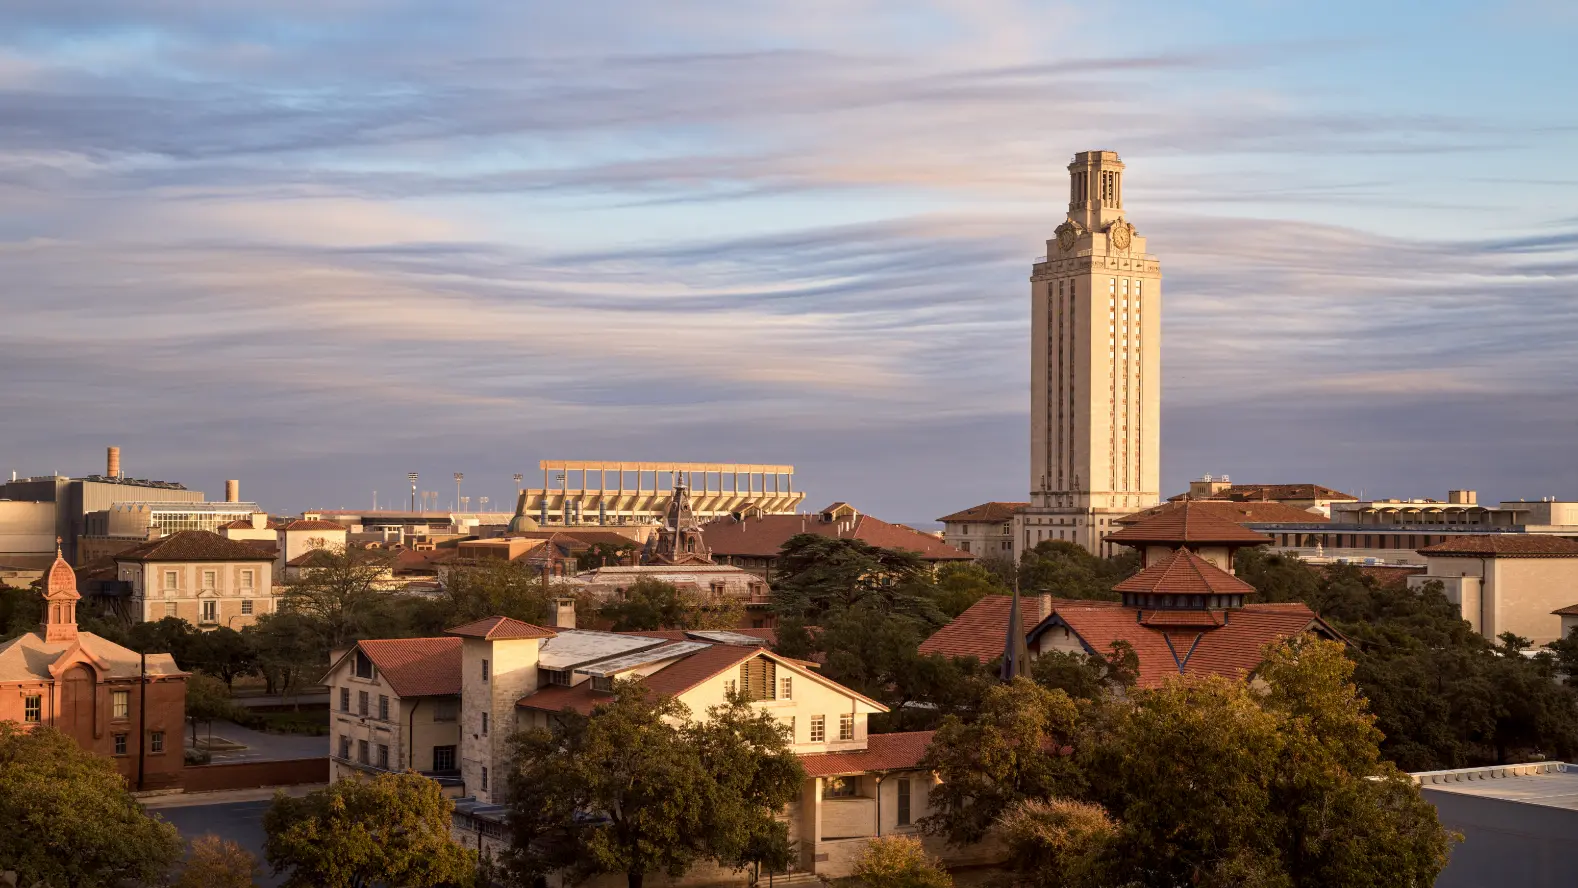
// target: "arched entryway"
[[77, 703]]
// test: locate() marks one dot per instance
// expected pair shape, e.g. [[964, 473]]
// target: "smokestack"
[[232, 491], [112, 463]]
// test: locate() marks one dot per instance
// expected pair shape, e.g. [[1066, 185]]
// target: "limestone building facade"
[[1095, 389]]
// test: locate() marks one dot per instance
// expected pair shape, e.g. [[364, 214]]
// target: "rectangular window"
[[345, 699], [361, 703], [210, 610], [786, 688], [730, 687], [120, 704], [247, 579], [364, 665], [846, 726], [443, 758], [383, 707], [169, 580], [818, 728], [210, 579], [169, 608], [246, 607], [604, 683], [383, 756], [560, 677], [445, 710], [904, 801], [33, 708], [345, 747], [484, 670], [156, 741], [841, 788], [484, 778], [120, 744], [484, 724], [361, 751], [758, 676]]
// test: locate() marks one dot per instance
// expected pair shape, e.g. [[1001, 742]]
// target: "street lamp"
[[412, 476]]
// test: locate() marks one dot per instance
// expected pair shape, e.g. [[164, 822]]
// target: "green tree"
[[291, 650], [1087, 676], [1057, 843], [498, 588], [637, 788], [66, 817], [391, 829], [899, 862], [650, 603], [21, 610], [961, 585], [207, 700], [224, 653], [343, 590], [817, 574], [218, 863], [1064, 569], [1020, 746], [604, 555]]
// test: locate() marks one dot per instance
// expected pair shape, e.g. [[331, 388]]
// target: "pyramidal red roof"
[[1184, 573], [496, 628], [1188, 523]]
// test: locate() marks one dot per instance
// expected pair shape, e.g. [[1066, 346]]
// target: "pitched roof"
[[194, 545], [1183, 572], [1187, 522], [883, 752], [312, 524], [763, 536], [987, 512], [557, 698], [417, 667], [1506, 545], [1283, 492], [28, 657], [981, 631], [1570, 610], [246, 524], [496, 628], [1271, 512]]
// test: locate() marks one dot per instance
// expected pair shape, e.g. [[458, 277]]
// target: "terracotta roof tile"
[[194, 545], [312, 524], [557, 698], [692, 670], [495, 628], [764, 536], [1183, 572], [1239, 512], [1506, 545], [979, 632], [246, 524], [987, 512], [1187, 522], [417, 667], [1570, 610], [883, 752], [1212, 618]]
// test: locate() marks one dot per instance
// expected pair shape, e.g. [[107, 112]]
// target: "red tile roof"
[[883, 752], [1570, 610], [417, 667], [495, 628], [1187, 522], [987, 512], [980, 631], [193, 545], [557, 698], [1239, 512], [1506, 545], [1183, 572], [679, 677], [313, 524], [246, 524], [1212, 618], [763, 536]]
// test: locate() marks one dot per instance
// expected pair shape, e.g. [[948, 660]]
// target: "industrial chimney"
[[112, 463], [232, 491]]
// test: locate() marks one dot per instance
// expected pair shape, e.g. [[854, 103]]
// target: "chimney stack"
[[564, 613], [112, 467], [232, 491]]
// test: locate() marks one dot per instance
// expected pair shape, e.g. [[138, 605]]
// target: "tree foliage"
[[637, 788], [1443, 696], [650, 603], [21, 610], [391, 829], [214, 862], [67, 818], [961, 585], [815, 575], [343, 590], [899, 862], [1065, 569]]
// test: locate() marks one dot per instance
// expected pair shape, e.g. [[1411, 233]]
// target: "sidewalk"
[[226, 797]]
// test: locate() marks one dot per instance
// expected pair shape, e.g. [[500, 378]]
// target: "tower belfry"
[[1095, 366]]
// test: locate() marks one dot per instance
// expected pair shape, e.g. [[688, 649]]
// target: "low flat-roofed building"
[[1519, 824], [1308, 497], [1510, 582], [619, 493]]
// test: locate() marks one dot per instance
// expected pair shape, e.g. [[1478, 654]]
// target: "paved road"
[[263, 747], [238, 821]]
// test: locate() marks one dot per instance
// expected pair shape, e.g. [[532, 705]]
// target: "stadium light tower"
[[412, 476], [459, 477]]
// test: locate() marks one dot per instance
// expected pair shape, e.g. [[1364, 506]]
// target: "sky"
[[315, 246]]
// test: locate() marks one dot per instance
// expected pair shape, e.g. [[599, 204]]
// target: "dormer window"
[[364, 665]]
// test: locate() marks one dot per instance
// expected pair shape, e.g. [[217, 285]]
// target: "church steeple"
[[60, 601]]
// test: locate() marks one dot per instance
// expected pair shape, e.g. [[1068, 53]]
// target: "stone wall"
[[252, 775]]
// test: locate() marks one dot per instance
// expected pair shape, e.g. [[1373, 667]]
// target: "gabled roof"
[[497, 628], [1187, 523], [312, 524], [1271, 512], [246, 524], [764, 536], [1183, 572], [28, 658], [987, 512], [417, 667], [981, 631], [883, 752], [1506, 545], [194, 545]]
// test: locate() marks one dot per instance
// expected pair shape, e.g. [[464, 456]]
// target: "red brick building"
[[110, 699]]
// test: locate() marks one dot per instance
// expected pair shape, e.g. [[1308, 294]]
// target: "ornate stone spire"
[[679, 541], [60, 601]]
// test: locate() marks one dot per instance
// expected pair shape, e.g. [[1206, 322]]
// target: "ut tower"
[[1095, 386]]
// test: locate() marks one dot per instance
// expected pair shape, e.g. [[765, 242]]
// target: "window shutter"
[[757, 677]]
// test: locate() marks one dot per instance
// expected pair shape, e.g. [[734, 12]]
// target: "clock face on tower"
[[1120, 233], [1066, 235]]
